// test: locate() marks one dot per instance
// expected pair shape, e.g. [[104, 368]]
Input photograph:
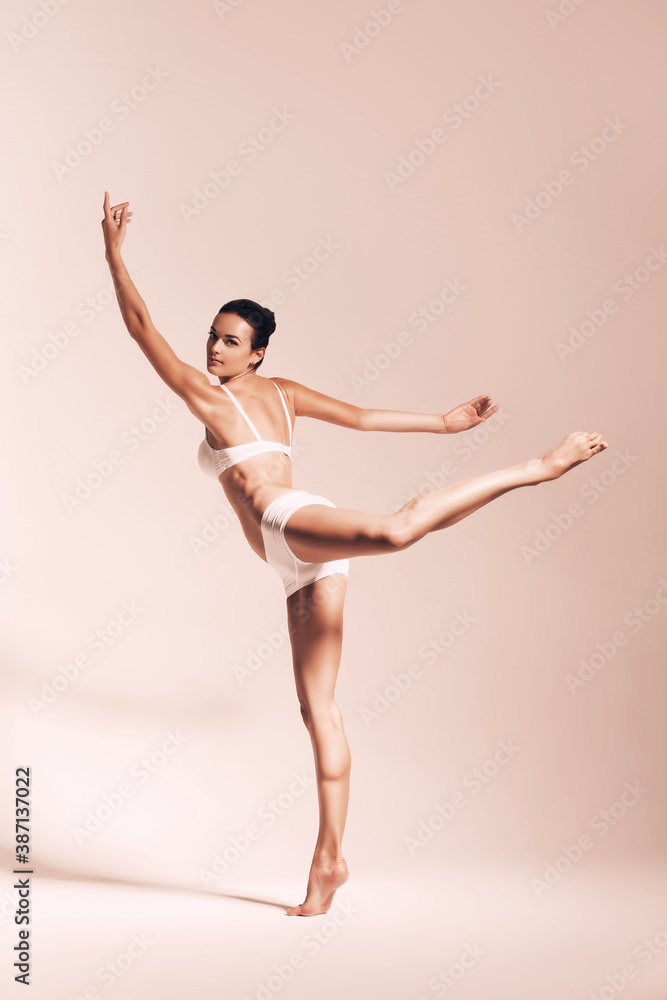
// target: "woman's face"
[[228, 346]]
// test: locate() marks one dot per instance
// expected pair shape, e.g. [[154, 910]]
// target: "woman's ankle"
[[328, 857]]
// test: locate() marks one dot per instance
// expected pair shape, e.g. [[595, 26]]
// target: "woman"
[[304, 537]]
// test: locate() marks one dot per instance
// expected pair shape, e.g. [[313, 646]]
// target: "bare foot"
[[575, 448], [324, 878]]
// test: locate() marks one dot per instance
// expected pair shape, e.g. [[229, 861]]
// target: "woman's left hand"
[[468, 415]]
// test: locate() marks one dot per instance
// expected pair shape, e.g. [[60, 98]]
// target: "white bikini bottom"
[[294, 572]]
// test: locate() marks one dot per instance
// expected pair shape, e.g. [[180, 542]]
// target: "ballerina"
[[303, 536]]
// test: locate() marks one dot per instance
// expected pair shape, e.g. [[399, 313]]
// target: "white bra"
[[214, 461]]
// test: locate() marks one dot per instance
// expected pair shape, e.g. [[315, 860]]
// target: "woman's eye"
[[229, 343]]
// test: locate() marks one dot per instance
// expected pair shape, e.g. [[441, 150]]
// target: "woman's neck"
[[244, 374]]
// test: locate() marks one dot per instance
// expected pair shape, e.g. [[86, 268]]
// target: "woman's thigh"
[[318, 533], [315, 617]]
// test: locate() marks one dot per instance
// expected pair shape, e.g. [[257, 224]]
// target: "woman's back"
[[214, 461]]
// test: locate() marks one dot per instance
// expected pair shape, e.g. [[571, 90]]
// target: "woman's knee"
[[317, 714], [386, 533], [397, 533]]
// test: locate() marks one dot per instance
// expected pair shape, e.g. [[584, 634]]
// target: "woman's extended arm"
[[185, 380], [309, 403]]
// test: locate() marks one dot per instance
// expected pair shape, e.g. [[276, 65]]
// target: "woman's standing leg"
[[315, 617]]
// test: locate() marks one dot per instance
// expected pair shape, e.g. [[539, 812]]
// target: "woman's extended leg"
[[315, 616], [318, 534]]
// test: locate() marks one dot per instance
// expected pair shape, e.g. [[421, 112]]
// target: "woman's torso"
[[252, 482]]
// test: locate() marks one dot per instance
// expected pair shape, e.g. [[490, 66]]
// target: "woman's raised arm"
[[185, 380], [309, 403]]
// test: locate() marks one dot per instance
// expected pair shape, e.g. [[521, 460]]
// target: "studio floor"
[[404, 935]]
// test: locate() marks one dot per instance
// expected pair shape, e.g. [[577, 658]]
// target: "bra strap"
[[289, 421]]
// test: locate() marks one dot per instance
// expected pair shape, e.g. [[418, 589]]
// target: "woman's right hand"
[[468, 415], [114, 225]]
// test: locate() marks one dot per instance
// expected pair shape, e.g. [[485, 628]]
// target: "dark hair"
[[262, 321]]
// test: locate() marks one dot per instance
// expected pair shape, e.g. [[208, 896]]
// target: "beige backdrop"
[[438, 200]]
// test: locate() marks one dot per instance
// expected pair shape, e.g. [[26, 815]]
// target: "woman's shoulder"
[[285, 387], [286, 384]]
